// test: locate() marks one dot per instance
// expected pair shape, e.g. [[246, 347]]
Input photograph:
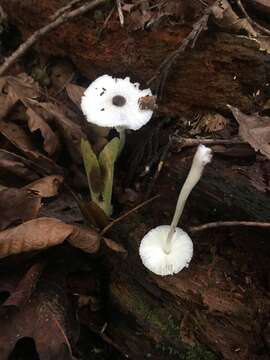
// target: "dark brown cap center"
[[118, 100]]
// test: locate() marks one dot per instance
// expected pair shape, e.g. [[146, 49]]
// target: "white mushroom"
[[113, 102], [166, 250]]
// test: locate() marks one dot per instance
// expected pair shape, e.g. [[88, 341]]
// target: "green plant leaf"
[[93, 171], [107, 158]]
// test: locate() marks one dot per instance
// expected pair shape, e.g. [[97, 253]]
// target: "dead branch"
[[164, 68], [120, 218], [181, 143], [216, 224], [64, 9], [64, 17]]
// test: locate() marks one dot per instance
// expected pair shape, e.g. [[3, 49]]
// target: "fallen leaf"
[[11, 163], [19, 138], [93, 214], [211, 122], [226, 18], [71, 132], [18, 205], [13, 89], [75, 93], [254, 129], [86, 239], [115, 246], [35, 122], [7, 100], [64, 208], [23, 87], [47, 318], [48, 186], [32, 235], [25, 287]]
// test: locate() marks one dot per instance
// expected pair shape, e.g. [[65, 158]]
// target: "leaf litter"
[[39, 211]]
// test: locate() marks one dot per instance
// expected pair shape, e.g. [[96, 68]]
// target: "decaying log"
[[222, 69], [221, 300]]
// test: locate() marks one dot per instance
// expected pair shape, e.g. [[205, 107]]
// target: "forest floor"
[[70, 289]]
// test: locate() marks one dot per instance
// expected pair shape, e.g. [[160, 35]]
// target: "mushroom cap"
[[155, 258], [98, 107]]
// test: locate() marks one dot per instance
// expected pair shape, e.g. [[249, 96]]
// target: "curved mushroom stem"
[[122, 135], [202, 156]]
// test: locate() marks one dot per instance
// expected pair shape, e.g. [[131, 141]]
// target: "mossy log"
[[219, 302]]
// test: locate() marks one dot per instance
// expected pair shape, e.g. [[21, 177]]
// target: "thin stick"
[[164, 68], [252, 22], [120, 218], [44, 30], [64, 9], [216, 224], [120, 12], [189, 142]]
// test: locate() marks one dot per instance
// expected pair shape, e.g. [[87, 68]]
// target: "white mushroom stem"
[[201, 158]]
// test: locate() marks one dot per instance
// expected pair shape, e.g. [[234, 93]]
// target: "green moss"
[[197, 352]]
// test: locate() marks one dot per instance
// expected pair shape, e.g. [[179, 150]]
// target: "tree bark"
[[222, 69]]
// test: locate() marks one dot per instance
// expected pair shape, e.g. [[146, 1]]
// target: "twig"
[[254, 23], [164, 68], [189, 142], [216, 224], [44, 30], [64, 9], [120, 12], [105, 24], [120, 218]]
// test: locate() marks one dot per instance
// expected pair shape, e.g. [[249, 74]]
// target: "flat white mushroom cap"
[[98, 106], [154, 257]]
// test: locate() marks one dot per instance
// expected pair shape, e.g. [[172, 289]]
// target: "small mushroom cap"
[[155, 258], [99, 108]]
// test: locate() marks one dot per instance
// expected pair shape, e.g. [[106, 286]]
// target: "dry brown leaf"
[[18, 137], [13, 89], [35, 122], [64, 208], [25, 287], [7, 100], [23, 87], [226, 18], [254, 129], [11, 163], [87, 240], [18, 205], [47, 186], [47, 318], [32, 235], [211, 122], [72, 132], [75, 93], [115, 246]]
